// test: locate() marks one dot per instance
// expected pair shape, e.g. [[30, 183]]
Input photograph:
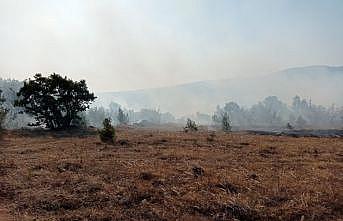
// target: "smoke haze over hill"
[[181, 57], [321, 84], [118, 45]]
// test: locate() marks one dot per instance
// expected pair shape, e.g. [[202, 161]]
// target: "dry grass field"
[[155, 175]]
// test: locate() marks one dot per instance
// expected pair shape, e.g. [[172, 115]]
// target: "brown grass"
[[154, 175]]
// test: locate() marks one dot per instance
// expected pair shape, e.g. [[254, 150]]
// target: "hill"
[[320, 83]]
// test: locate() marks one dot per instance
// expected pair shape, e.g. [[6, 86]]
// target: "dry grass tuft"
[[149, 175]]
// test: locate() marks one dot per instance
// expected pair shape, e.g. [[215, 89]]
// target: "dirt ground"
[[156, 175]]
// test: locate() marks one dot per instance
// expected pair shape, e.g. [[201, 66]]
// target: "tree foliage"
[[15, 116], [107, 134], [54, 101], [272, 113]]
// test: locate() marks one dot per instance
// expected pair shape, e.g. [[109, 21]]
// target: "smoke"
[[128, 45], [120, 45], [321, 84]]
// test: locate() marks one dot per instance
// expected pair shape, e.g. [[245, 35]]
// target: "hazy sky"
[[129, 44]]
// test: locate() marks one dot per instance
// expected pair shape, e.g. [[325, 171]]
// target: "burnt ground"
[[155, 175], [332, 133]]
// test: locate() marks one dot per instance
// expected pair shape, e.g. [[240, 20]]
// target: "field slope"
[[154, 175]]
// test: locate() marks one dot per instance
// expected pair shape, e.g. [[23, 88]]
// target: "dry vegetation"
[[150, 175]]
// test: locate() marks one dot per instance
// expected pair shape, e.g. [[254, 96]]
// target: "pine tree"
[[107, 134]]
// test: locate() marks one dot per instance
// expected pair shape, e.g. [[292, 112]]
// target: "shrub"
[[211, 137], [198, 171], [223, 120], [2, 117], [191, 126], [3, 111], [289, 126], [226, 126], [107, 134]]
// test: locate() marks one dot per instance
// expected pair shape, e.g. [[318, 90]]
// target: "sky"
[[131, 44]]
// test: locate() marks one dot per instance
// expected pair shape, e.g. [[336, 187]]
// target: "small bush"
[[107, 134], [190, 126], [289, 126], [3, 111], [2, 117], [211, 137], [146, 176], [224, 120], [198, 171], [226, 126]]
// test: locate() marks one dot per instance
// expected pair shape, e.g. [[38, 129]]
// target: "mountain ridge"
[[320, 82], [336, 68]]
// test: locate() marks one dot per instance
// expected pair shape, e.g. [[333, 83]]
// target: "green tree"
[[107, 134], [54, 101]]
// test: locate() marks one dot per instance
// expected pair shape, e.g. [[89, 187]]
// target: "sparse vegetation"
[[3, 111], [242, 177], [223, 120], [270, 113], [195, 114], [226, 126], [107, 133], [289, 126], [211, 137], [190, 126], [54, 101], [198, 171]]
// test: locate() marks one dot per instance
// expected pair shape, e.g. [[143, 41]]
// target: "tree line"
[[273, 113], [57, 102]]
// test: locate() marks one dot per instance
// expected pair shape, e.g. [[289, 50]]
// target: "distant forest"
[[271, 113]]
